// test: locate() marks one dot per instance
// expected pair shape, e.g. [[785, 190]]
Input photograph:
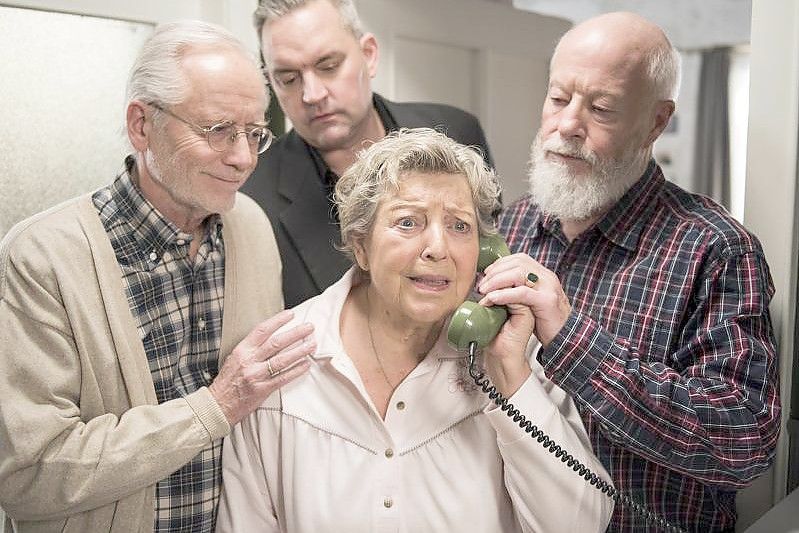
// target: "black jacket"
[[287, 186]]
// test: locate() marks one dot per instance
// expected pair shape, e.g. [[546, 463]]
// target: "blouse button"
[[387, 503], [389, 453], [400, 406]]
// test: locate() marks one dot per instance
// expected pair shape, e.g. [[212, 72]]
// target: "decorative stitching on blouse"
[[440, 433], [320, 428]]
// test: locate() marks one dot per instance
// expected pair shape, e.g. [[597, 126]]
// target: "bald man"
[[652, 302]]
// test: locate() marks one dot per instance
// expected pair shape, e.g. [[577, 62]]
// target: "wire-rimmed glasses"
[[222, 136]]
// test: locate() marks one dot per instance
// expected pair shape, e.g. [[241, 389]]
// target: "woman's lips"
[[434, 283]]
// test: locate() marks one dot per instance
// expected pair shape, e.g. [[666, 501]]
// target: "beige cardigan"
[[82, 439]]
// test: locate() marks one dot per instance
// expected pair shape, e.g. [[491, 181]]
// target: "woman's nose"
[[435, 247]]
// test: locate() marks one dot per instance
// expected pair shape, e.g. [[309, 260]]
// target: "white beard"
[[570, 196]]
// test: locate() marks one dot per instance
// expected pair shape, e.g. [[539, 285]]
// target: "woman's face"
[[421, 254]]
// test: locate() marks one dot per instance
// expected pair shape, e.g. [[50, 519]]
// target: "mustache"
[[569, 148]]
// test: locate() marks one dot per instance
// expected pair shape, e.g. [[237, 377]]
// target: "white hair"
[[156, 75], [663, 68]]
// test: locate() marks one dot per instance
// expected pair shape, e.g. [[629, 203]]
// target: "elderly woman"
[[387, 432]]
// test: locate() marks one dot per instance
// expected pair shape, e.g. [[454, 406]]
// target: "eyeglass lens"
[[223, 136]]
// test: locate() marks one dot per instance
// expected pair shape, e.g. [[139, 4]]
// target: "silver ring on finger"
[[271, 370]]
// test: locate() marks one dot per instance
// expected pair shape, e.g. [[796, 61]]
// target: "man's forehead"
[[315, 29], [613, 68], [297, 52]]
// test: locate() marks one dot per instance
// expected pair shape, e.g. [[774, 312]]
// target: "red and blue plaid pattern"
[[669, 351]]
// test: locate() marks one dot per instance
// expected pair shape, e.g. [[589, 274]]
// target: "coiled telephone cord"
[[565, 457]]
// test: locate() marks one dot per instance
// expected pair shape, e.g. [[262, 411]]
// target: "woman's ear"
[[361, 259]]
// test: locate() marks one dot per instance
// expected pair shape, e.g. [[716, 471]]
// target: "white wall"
[[770, 204], [674, 150]]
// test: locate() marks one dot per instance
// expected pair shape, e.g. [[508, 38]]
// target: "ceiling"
[[690, 24]]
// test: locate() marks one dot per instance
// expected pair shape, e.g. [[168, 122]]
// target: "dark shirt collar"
[[153, 231], [327, 176], [625, 221]]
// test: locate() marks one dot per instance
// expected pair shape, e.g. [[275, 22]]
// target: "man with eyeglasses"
[[135, 323], [320, 63]]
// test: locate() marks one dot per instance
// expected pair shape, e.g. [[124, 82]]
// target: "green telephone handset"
[[473, 322]]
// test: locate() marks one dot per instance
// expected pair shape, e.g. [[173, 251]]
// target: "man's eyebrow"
[[283, 70], [599, 93], [326, 57], [329, 56]]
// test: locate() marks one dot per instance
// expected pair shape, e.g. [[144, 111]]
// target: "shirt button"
[[201, 323], [180, 242], [153, 256], [400, 406], [207, 376], [387, 503], [389, 453]]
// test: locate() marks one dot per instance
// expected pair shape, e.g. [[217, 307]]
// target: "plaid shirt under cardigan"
[[668, 352], [177, 306]]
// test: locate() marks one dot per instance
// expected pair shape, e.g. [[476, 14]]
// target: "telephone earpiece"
[[473, 322]]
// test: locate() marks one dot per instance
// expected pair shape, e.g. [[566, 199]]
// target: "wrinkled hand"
[[260, 364], [505, 280], [540, 308]]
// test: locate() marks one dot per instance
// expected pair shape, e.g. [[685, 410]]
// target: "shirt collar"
[[324, 311], [626, 220], [152, 231]]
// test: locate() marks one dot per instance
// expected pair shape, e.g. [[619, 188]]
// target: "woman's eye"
[[407, 223], [461, 227]]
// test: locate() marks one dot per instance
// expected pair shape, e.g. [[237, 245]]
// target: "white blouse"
[[317, 457]]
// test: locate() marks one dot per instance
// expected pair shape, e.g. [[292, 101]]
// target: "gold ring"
[[269, 368], [531, 280]]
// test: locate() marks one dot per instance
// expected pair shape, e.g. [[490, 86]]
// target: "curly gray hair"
[[380, 168]]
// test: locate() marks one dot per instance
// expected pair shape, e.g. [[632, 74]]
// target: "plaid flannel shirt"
[[177, 306], [668, 352]]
